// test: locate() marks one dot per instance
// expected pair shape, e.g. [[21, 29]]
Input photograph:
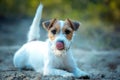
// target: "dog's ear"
[[73, 24], [48, 24]]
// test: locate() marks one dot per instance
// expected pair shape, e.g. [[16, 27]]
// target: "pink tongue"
[[59, 45]]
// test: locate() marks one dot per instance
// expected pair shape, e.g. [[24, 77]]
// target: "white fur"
[[34, 31], [43, 57]]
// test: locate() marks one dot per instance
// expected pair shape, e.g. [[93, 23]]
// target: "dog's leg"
[[57, 72], [72, 67], [79, 73], [19, 59]]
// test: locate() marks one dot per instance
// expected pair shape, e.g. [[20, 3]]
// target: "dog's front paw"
[[68, 75], [81, 74]]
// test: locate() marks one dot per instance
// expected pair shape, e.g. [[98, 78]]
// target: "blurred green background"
[[100, 19]]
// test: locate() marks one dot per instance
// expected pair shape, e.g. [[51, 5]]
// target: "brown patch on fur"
[[48, 24], [55, 27], [68, 30], [73, 24], [69, 34]]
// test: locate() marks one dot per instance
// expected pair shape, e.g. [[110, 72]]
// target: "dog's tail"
[[34, 32]]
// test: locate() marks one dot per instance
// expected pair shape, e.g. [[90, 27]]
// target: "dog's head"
[[60, 33]]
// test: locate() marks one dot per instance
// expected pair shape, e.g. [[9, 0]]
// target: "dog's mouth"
[[60, 45]]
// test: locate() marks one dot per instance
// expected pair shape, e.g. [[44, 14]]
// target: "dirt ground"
[[102, 65]]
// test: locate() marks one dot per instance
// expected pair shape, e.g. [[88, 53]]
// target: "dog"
[[54, 56]]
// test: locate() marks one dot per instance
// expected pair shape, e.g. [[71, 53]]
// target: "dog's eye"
[[53, 31], [67, 31]]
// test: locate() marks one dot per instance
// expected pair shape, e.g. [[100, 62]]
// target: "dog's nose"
[[61, 41], [60, 45]]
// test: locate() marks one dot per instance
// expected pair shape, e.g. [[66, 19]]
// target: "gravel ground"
[[101, 65]]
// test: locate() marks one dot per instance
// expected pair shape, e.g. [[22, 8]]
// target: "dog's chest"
[[59, 62]]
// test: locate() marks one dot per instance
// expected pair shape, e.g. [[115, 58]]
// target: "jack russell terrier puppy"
[[54, 56]]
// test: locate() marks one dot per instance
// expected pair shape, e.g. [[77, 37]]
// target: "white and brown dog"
[[54, 56]]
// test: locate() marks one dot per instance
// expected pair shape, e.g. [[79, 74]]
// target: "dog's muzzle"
[[60, 45]]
